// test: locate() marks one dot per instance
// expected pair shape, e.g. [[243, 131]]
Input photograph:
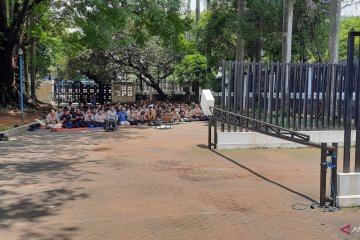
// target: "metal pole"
[[58, 86], [215, 135], [209, 133], [348, 100], [334, 172], [223, 92], [323, 175], [357, 117], [21, 85]]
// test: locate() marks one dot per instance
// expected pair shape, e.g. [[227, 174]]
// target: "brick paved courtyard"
[[158, 184]]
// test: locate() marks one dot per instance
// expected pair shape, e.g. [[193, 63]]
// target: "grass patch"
[[2, 129]]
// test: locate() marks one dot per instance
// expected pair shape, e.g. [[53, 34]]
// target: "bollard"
[[323, 175]]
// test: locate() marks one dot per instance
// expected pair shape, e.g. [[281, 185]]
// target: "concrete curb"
[[17, 131]]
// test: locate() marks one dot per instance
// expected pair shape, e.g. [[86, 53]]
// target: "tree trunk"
[[335, 11], [162, 95], [207, 4], [197, 11], [288, 14], [8, 88], [240, 40], [33, 67]]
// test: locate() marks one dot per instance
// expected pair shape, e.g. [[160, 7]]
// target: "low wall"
[[233, 140], [17, 131]]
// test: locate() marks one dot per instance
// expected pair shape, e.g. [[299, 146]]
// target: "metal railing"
[[240, 121]]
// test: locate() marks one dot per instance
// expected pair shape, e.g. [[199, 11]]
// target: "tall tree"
[[288, 13], [335, 12], [32, 61], [13, 16], [197, 11], [240, 42]]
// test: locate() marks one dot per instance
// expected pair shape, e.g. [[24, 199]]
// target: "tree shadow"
[[38, 175], [264, 178]]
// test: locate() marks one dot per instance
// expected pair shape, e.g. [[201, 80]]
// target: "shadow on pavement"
[[41, 171], [262, 177]]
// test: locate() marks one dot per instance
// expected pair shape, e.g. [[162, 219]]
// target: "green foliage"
[[346, 26], [193, 70]]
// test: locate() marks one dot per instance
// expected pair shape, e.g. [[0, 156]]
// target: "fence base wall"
[[348, 189], [242, 140]]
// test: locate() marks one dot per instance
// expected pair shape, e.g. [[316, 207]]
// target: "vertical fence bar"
[[301, 86], [277, 93], [348, 101], [248, 89], [266, 92], [341, 87], [288, 93], [294, 95], [271, 92], [230, 82], [223, 92], [318, 84], [253, 92], [334, 93], [283, 79], [323, 97], [323, 174], [328, 94], [315, 66], [241, 88], [236, 91], [306, 95], [259, 92]]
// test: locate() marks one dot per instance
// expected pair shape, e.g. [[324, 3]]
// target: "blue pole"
[[21, 88]]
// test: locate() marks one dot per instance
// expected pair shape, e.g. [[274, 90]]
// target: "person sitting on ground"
[[122, 117], [141, 117], [88, 118], [151, 116], [78, 119], [175, 115], [133, 117], [99, 119], [111, 117], [82, 107], [188, 115], [65, 119], [93, 100], [69, 106], [60, 112], [197, 112], [52, 121]]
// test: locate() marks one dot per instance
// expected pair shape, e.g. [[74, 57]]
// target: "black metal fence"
[[297, 96], [78, 92]]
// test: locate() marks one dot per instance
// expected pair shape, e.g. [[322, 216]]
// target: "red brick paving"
[[158, 184]]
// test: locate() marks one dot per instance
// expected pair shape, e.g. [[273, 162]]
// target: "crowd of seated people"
[[122, 114]]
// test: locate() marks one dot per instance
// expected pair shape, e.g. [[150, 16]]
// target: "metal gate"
[[77, 91]]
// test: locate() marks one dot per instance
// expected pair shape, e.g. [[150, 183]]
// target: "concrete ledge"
[[348, 185], [234, 140], [17, 131]]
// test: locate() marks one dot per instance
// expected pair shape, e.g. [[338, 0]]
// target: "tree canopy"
[[153, 39]]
